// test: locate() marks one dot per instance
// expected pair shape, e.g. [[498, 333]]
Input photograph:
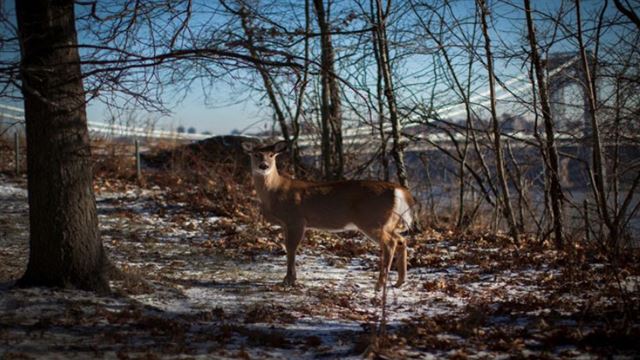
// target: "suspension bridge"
[[14, 116], [513, 96]]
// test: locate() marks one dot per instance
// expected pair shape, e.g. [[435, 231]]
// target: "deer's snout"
[[263, 166]]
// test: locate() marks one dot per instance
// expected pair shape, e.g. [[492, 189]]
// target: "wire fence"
[[12, 118]]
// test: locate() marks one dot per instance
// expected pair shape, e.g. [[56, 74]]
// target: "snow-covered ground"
[[208, 286]]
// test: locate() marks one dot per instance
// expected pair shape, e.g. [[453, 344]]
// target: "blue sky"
[[226, 114], [229, 108], [219, 118], [194, 112]]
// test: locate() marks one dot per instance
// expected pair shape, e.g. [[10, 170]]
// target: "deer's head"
[[263, 158]]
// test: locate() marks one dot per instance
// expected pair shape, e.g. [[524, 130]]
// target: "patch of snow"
[[11, 190], [332, 304], [631, 284]]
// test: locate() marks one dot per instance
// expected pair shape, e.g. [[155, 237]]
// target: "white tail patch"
[[401, 207]]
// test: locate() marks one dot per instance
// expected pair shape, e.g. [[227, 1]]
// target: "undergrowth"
[[586, 298]]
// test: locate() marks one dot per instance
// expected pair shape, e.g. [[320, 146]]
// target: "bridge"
[[513, 96], [14, 116]]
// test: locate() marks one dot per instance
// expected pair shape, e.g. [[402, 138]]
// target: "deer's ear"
[[280, 147], [247, 147]]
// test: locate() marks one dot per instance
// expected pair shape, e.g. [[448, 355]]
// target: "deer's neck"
[[268, 183]]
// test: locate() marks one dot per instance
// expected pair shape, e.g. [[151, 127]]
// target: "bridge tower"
[[567, 95]]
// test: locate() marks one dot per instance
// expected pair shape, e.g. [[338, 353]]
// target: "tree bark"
[[295, 122], [243, 13], [385, 68], [65, 245], [384, 159], [600, 179], [270, 88], [331, 109], [551, 150], [500, 170]]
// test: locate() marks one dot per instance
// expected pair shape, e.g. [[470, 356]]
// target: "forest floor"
[[207, 285]]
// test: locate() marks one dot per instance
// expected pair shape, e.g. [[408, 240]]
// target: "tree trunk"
[[551, 150], [502, 179], [384, 159], [385, 67], [331, 112], [65, 245], [600, 179], [295, 122], [270, 89]]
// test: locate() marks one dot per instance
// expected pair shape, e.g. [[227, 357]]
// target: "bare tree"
[[550, 147], [331, 108], [385, 70], [612, 212], [384, 159], [135, 53], [65, 245], [269, 82], [628, 11], [500, 170], [599, 179], [463, 92]]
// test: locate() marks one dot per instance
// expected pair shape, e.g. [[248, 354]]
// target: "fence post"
[[16, 144], [585, 204], [138, 171]]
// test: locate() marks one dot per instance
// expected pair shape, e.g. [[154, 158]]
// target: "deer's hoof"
[[289, 281], [399, 283]]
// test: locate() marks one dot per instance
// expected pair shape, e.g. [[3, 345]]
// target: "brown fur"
[[298, 205]]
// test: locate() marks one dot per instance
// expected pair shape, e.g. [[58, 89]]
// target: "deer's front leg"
[[293, 236]]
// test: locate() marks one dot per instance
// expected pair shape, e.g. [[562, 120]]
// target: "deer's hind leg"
[[401, 259]]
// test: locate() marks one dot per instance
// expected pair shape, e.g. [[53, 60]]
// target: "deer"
[[377, 209]]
